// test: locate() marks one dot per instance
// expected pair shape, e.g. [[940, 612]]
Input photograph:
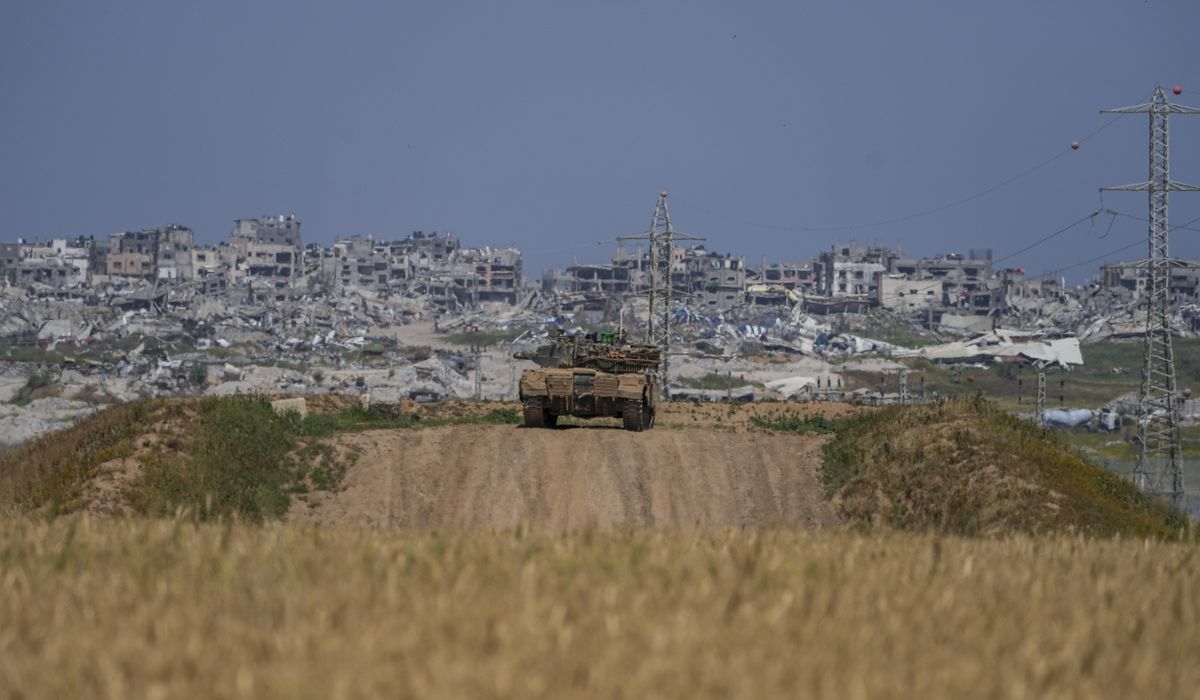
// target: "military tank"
[[592, 376]]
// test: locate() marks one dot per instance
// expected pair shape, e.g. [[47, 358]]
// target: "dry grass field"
[[170, 608], [758, 551]]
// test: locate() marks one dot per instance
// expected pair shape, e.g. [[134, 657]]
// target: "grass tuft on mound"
[[965, 467], [211, 458], [51, 470]]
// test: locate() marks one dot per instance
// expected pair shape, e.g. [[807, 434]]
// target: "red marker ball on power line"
[[1074, 145], [1178, 89]]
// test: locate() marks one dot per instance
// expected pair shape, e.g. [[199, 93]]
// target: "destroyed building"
[[434, 266], [174, 256], [268, 250], [264, 262], [150, 254], [1183, 284], [800, 277], [724, 280], [601, 279], [851, 270], [961, 275], [497, 272], [60, 263], [899, 293]]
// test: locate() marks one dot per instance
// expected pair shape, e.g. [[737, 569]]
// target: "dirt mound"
[[965, 467], [484, 477]]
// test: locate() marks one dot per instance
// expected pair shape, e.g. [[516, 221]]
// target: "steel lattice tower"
[[662, 245], [1158, 468]]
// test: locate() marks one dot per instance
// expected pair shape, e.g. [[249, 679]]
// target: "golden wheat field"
[[161, 609]]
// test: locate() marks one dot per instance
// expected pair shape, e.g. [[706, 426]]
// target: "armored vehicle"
[[598, 375]]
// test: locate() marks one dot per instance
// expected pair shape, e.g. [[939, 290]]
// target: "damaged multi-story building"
[[132, 255], [897, 292], [851, 270], [961, 276], [433, 266], [60, 263], [721, 280], [269, 251], [799, 277], [264, 260], [1183, 284], [497, 272]]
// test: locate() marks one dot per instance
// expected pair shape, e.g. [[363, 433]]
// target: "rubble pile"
[[151, 313]]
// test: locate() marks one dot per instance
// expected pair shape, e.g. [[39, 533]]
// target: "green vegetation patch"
[[245, 459], [965, 467], [238, 461], [51, 470], [797, 423], [1110, 369], [212, 458], [39, 385]]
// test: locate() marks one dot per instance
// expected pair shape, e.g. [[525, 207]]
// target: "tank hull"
[[549, 393]]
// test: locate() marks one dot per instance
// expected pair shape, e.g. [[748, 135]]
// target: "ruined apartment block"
[[899, 293], [269, 250]]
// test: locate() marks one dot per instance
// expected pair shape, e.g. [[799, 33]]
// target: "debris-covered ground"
[[61, 359]]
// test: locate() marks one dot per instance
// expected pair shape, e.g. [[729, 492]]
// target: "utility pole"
[[477, 351], [662, 245], [1158, 468], [1040, 410]]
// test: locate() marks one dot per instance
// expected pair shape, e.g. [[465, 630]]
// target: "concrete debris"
[[152, 313], [1005, 346], [293, 405], [792, 387]]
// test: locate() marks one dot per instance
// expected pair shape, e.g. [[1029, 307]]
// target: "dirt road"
[[485, 477]]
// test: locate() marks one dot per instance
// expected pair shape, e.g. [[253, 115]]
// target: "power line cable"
[[1042, 240], [1183, 227], [1102, 256]]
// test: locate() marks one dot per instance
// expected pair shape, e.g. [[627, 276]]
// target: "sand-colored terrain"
[[485, 477]]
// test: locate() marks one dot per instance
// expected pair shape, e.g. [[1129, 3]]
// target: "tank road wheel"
[[535, 415], [633, 415]]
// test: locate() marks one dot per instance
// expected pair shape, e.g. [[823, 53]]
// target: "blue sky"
[[553, 125]]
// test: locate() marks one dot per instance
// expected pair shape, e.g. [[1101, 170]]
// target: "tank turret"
[[605, 351]]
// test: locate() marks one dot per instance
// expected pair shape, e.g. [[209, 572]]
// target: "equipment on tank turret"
[[598, 375]]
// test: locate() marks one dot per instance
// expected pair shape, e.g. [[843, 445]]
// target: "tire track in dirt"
[[488, 477]]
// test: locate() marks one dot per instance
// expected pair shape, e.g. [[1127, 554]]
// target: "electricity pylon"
[[1158, 467], [662, 246]]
